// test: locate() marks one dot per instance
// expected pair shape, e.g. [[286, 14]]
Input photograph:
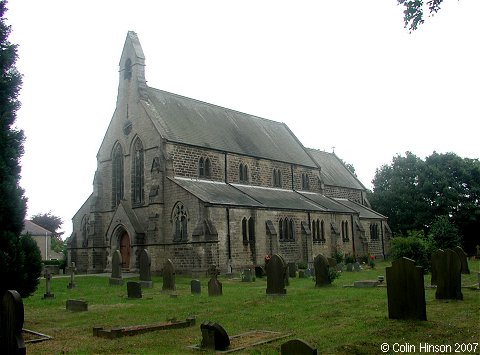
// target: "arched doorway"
[[125, 250]]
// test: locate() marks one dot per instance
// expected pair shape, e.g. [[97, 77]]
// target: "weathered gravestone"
[[276, 274], [405, 290], [321, 271], [134, 289], [168, 274], [48, 285], [76, 305], [259, 271], [297, 347], [11, 323], [214, 286], [435, 259], [356, 266], [214, 337], [292, 270], [332, 262], [195, 287], [247, 275], [449, 277], [349, 267], [340, 267], [72, 270], [116, 277], [301, 274], [145, 269], [463, 259]]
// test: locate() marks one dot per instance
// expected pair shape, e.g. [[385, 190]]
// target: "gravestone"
[[72, 270], [435, 259], [76, 306], [247, 275], [356, 266], [292, 270], [116, 277], [340, 266], [214, 337], [134, 289], [405, 290], [301, 274], [349, 267], [195, 287], [214, 286], [297, 347], [259, 271], [145, 269], [309, 272], [168, 274], [321, 271], [276, 274], [463, 259], [48, 285], [449, 277], [332, 262], [11, 323]]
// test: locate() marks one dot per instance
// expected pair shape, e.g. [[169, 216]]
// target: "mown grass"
[[335, 319]]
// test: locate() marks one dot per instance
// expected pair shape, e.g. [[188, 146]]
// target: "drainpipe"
[[229, 243], [353, 236], [383, 246]]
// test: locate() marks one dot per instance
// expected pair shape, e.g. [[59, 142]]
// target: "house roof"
[[189, 121], [334, 172], [34, 229]]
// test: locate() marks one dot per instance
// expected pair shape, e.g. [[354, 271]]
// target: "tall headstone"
[[276, 274], [214, 286], [321, 265], [168, 276], [463, 259], [71, 270], [435, 260], [134, 289], [11, 324], [145, 269], [449, 277], [116, 277], [405, 290], [48, 285], [297, 347]]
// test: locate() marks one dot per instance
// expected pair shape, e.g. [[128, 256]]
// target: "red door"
[[125, 250]]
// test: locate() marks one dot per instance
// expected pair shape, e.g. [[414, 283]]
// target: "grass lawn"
[[334, 319]]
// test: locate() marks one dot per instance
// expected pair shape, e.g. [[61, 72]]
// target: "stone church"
[[201, 184]]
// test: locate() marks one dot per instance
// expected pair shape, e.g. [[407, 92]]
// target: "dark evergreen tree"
[[19, 260]]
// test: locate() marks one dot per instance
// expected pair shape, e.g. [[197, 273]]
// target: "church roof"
[[363, 211], [334, 172], [326, 202], [189, 121]]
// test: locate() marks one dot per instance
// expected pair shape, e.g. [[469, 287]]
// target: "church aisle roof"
[[363, 211], [326, 202], [189, 121], [334, 172]]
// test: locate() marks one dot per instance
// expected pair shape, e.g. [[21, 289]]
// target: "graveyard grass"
[[334, 319]]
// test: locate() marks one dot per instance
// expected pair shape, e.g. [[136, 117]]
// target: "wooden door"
[[125, 250]]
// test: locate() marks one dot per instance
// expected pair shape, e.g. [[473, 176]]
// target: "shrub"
[[338, 256], [444, 234], [415, 247], [349, 259], [332, 274]]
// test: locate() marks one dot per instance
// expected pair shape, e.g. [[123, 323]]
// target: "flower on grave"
[[266, 258]]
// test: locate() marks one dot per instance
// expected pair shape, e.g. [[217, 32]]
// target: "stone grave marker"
[[297, 347], [449, 277], [214, 286], [145, 269], [321, 271], [292, 270], [332, 262], [11, 323], [259, 271], [349, 267], [309, 272], [72, 270], [340, 266], [435, 259], [356, 266], [276, 274], [463, 259], [116, 277], [168, 274], [405, 290], [48, 285], [134, 289], [247, 275], [301, 274], [195, 287], [214, 337], [76, 306]]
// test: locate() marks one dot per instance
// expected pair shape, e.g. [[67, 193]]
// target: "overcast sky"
[[343, 74]]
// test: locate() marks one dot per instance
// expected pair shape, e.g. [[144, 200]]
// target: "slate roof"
[[363, 211], [34, 229], [334, 172], [189, 121], [326, 202]]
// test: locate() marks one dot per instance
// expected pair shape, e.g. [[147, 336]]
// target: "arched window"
[[243, 173], [244, 231], [137, 174], [314, 231], [291, 230], [127, 70], [117, 175], [305, 182], [277, 178], [322, 228], [204, 167], [251, 230], [180, 220]]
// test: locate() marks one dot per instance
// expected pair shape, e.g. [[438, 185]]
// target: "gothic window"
[[305, 182], [127, 70], [138, 174], [280, 229], [373, 231], [318, 231], [243, 173], [244, 231], [346, 230], [322, 228], [180, 221], [251, 230], [117, 175], [291, 230], [286, 229], [204, 167], [314, 232], [277, 178]]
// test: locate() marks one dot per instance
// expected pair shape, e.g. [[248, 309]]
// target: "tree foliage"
[[413, 192], [413, 246], [19, 258], [444, 234], [413, 14]]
